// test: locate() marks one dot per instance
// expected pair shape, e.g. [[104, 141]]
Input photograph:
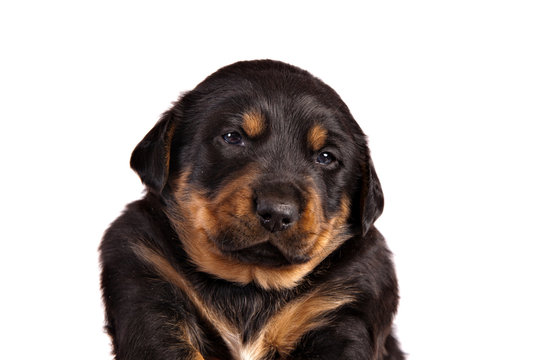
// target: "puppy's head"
[[264, 172]]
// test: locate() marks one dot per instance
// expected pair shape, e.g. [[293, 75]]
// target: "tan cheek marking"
[[232, 202], [317, 137], [333, 228], [236, 197], [312, 220], [330, 237], [253, 123], [198, 220]]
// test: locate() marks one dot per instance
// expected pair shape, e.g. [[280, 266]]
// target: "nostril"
[[266, 216]]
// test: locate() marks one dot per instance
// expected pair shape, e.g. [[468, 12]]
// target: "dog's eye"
[[233, 138], [326, 158]]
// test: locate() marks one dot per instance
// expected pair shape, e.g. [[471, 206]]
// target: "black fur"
[[144, 311]]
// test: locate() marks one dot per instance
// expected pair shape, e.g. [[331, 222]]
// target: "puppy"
[[255, 238]]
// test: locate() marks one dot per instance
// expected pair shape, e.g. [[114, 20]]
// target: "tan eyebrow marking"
[[317, 137], [254, 123]]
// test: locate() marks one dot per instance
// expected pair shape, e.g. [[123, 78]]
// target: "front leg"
[[347, 339], [144, 322], [153, 345]]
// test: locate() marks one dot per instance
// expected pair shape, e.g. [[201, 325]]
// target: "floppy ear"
[[372, 202], [151, 156], [368, 201]]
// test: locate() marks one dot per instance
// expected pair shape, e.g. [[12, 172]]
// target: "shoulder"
[[141, 221]]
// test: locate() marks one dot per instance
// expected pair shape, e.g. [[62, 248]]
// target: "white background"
[[448, 92]]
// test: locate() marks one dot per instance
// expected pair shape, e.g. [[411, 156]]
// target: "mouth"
[[266, 254]]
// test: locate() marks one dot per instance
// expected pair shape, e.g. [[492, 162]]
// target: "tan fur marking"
[[282, 331], [185, 334], [290, 276], [302, 315], [229, 334], [253, 123], [203, 222], [317, 137]]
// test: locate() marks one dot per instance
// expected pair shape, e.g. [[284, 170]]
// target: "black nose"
[[276, 214]]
